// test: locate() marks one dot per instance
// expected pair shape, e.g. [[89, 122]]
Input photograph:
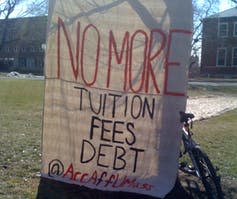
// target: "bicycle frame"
[[189, 145], [200, 163]]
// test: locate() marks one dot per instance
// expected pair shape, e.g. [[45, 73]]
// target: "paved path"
[[213, 83], [207, 106]]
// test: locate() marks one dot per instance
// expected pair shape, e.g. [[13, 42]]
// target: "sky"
[[224, 5]]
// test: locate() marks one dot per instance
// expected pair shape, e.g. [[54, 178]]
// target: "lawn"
[[209, 90], [21, 105], [218, 137]]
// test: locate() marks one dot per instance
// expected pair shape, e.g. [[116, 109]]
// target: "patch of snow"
[[15, 74]]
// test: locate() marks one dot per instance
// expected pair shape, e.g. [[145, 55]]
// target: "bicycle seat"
[[184, 117]]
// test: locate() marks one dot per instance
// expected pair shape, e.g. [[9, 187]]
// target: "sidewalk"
[[204, 107], [212, 82]]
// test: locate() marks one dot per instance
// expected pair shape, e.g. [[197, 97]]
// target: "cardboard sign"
[[115, 83]]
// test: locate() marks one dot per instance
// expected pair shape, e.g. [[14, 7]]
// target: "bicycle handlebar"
[[184, 117]]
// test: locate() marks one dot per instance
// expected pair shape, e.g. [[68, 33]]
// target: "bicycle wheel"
[[208, 175]]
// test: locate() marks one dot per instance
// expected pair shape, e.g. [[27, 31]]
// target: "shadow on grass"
[[50, 189]]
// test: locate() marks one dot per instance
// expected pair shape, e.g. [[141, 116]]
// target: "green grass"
[[210, 90], [218, 135], [218, 138], [21, 105]]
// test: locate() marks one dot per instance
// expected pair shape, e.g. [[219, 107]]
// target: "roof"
[[232, 12], [25, 22]]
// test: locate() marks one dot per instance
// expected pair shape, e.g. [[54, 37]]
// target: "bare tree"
[[201, 10], [7, 7], [36, 8], [23, 8]]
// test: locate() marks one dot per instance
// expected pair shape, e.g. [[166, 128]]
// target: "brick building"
[[21, 44], [219, 45]]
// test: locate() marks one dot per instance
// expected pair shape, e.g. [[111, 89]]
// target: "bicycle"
[[200, 164]]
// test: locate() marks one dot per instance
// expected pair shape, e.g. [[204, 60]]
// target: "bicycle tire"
[[209, 178]]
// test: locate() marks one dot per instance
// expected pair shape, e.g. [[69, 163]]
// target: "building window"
[[23, 49], [22, 62], [32, 49], [221, 57], [234, 56], [235, 29], [16, 49], [223, 30], [7, 49]]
